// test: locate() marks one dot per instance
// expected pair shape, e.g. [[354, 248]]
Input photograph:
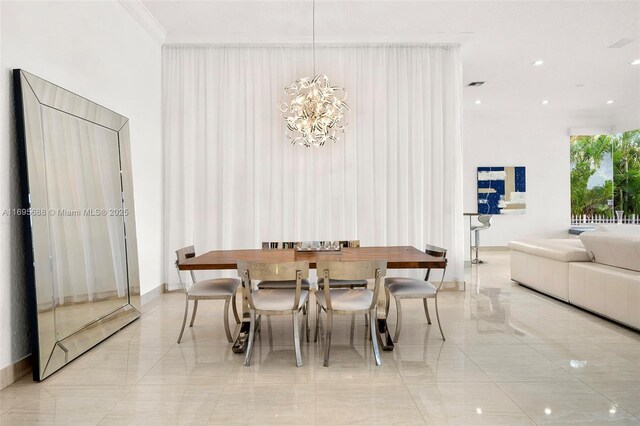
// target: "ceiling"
[[501, 40]]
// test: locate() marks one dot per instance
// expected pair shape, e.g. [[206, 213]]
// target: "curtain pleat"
[[232, 180]]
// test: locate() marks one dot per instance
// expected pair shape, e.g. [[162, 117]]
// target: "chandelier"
[[315, 111]]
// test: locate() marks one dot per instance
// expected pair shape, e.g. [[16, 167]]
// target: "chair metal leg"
[[306, 321], [426, 310], [296, 339], [374, 337], [327, 340], [438, 318], [318, 309], [252, 334], [387, 302], [396, 336], [235, 308], [193, 315], [227, 331], [184, 320]]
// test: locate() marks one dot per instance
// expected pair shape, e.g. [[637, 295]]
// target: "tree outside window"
[[605, 175]]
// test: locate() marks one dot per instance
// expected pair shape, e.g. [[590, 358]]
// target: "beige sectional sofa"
[[544, 264], [599, 272]]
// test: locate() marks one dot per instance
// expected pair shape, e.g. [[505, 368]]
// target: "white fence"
[[587, 219]]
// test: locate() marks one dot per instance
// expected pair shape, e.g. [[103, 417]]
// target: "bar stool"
[[485, 223]]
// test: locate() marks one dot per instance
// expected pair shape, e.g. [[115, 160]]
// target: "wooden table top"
[[397, 257]]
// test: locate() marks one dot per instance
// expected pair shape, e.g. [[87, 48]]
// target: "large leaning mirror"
[[79, 221]]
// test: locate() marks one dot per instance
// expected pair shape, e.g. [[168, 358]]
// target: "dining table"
[[397, 257]]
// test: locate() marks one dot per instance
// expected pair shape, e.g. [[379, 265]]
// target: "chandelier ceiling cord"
[[316, 109]]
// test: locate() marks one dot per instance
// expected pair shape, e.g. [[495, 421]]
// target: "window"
[[605, 178]]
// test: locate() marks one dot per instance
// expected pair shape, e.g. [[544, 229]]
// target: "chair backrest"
[[354, 270], [182, 255], [283, 271], [485, 219], [266, 271], [436, 251]]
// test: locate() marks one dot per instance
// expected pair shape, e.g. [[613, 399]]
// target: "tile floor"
[[512, 357]]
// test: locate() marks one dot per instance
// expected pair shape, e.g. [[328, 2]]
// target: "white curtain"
[[232, 180]]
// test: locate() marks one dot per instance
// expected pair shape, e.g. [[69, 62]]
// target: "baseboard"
[[12, 373], [453, 286], [493, 248], [152, 294]]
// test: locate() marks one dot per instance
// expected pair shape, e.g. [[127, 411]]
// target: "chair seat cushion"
[[304, 283], [402, 287], [277, 300], [217, 287], [342, 283], [347, 299]]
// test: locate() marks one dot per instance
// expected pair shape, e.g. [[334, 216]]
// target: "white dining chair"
[[274, 301], [411, 288], [337, 301], [213, 289]]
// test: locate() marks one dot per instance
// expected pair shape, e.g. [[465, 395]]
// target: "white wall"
[[98, 50], [626, 118], [538, 141]]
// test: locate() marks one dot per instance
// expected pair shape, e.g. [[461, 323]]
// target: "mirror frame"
[[32, 93]]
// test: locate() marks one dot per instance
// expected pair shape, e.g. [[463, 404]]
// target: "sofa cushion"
[[622, 251], [566, 250], [623, 228]]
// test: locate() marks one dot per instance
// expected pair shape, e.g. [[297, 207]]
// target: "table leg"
[[384, 337], [240, 345]]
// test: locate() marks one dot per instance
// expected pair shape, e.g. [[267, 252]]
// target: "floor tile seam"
[[215, 406], [315, 397], [497, 384], [108, 412], [548, 358], [569, 371], [153, 366], [6, 410], [609, 399], [415, 403]]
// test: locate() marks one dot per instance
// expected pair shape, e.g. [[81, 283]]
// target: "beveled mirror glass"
[[79, 221]]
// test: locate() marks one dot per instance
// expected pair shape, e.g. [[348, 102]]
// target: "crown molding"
[[434, 38], [141, 14]]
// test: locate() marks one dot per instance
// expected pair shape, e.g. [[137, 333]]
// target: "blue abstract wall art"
[[502, 190]]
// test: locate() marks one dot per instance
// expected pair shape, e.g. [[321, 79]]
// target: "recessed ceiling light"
[[478, 102], [610, 101], [538, 62], [635, 62], [544, 102]]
